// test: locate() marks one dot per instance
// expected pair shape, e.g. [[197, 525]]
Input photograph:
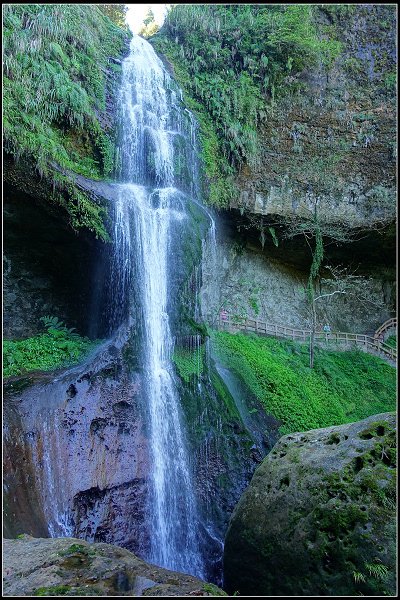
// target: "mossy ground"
[[343, 386]]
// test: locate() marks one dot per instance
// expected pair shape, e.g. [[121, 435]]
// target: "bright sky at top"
[[137, 12]]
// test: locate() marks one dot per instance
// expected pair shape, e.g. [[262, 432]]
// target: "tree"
[[115, 12], [149, 27], [318, 234]]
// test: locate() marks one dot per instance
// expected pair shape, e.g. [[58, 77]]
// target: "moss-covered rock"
[[312, 117], [319, 515], [72, 567]]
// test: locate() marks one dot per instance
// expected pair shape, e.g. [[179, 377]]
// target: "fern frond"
[[357, 576]]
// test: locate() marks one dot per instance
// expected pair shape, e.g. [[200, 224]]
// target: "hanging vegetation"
[[233, 61], [56, 67]]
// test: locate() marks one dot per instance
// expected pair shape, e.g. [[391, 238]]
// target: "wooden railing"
[[385, 328], [371, 344]]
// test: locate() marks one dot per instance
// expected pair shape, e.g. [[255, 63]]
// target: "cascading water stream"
[[148, 209]]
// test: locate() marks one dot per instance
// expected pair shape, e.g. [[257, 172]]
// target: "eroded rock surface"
[[72, 567], [319, 516]]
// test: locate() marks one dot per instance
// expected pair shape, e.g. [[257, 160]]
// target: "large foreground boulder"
[[73, 567], [319, 516]]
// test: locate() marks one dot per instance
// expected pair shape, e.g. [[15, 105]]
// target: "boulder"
[[319, 516], [73, 567]]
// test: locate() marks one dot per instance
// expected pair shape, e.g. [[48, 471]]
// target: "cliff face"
[[323, 130], [334, 143], [270, 285]]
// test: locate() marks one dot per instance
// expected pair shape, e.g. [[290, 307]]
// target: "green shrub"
[[59, 347], [343, 386], [392, 341]]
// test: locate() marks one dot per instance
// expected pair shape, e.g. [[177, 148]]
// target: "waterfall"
[[148, 210]]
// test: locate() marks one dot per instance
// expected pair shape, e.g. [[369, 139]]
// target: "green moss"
[[225, 396], [67, 590], [54, 590], [80, 548], [210, 588], [278, 374], [189, 363]]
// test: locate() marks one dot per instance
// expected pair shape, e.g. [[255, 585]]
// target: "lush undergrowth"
[[44, 352], [392, 341], [259, 50], [189, 362], [343, 386], [56, 73]]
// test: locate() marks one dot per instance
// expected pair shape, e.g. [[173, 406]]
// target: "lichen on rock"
[[319, 515], [72, 567]]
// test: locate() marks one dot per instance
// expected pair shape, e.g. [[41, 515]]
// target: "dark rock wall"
[[48, 270]]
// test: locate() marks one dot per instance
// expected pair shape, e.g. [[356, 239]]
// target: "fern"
[[377, 570], [357, 576], [52, 322], [55, 326]]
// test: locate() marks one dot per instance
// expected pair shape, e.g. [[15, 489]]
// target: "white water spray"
[[148, 205]]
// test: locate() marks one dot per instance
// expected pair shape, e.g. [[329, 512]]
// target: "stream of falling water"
[[149, 206]]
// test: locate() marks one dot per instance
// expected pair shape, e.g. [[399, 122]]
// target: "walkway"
[[374, 344]]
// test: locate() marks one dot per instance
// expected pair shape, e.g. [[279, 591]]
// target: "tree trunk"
[[312, 343], [312, 336]]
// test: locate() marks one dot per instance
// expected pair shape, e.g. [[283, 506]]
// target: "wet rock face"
[[72, 567], [83, 447], [114, 515], [22, 503], [319, 516]]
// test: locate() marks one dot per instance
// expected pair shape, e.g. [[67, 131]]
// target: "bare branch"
[[331, 294]]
